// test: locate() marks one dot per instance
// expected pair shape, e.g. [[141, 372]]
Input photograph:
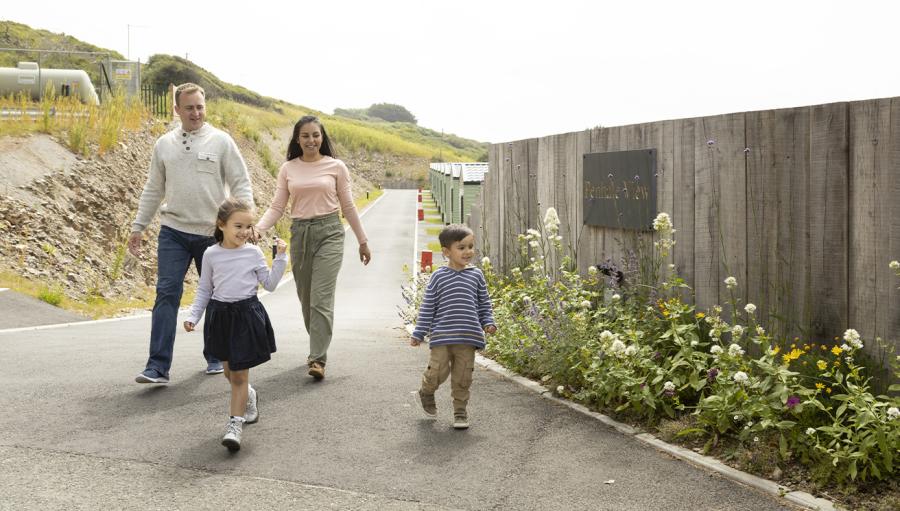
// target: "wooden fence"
[[801, 205], [160, 104]]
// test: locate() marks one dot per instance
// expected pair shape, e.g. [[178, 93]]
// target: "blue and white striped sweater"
[[456, 308]]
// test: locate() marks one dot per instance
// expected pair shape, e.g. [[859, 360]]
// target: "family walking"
[[199, 184]]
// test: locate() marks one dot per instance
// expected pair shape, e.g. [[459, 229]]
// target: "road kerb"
[[709, 463]]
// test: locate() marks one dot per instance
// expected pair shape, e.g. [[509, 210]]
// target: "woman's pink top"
[[315, 189]]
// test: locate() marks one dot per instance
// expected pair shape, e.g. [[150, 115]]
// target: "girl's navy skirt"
[[239, 333]]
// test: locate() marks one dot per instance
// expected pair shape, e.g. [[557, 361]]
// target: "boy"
[[455, 313]]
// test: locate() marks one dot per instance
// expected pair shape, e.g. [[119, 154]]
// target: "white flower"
[[615, 297], [663, 223], [533, 233], [695, 343], [485, 261], [750, 424], [607, 336], [534, 244], [852, 337], [740, 377], [845, 347], [893, 412], [716, 349], [630, 350], [735, 351], [737, 417], [731, 282], [671, 266], [756, 439], [560, 389], [750, 308], [669, 386], [737, 330], [760, 330], [526, 300], [895, 265], [592, 270], [586, 304], [617, 347], [551, 221], [810, 431]]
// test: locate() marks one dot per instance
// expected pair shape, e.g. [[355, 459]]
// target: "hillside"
[[69, 184]]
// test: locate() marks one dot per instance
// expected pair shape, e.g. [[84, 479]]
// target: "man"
[[191, 170]]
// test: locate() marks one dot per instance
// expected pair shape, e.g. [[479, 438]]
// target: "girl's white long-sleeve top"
[[233, 274]]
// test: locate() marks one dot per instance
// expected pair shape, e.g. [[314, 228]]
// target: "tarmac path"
[[78, 433]]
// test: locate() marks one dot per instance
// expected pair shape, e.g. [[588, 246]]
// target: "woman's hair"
[[228, 207], [294, 150], [453, 233]]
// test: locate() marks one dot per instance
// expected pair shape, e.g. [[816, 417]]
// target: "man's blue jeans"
[[174, 255]]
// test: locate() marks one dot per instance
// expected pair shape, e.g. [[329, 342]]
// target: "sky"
[[499, 71]]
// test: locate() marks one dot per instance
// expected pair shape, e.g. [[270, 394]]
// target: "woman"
[[317, 184]]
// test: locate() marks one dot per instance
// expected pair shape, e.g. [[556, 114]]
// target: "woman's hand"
[[364, 255], [188, 326]]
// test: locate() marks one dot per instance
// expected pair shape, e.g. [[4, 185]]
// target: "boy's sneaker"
[[232, 438], [428, 404], [316, 370], [251, 414], [460, 420], [151, 376], [215, 368]]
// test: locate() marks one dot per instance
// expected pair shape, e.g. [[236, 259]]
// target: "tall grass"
[[82, 126]]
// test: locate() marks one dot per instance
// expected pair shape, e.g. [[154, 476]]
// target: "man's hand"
[[134, 243], [188, 326]]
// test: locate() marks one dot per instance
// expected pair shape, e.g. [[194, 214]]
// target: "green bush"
[[639, 349]]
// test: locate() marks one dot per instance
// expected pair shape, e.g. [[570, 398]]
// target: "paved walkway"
[[79, 434]]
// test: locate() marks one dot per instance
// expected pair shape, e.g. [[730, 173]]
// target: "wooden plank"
[[891, 330], [663, 139], [829, 218], [582, 244], [491, 205], [532, 203], [866, 125], [683, 191], [517, 194], [706, 215], [728, 133], [886, 215], [567, 200], [597, 235], [797, 306]]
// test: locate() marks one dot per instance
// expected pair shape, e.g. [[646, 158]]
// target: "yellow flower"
[[822, 365], [836, 350], [776, 350], [828, 390], [786, 358], [806, 347], [820, 386], [700, 315], [793, 346], [795, 354]]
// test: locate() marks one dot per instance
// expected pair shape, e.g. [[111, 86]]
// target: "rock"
[[776, 474]]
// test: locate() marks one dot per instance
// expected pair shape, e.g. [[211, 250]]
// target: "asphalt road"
[[78, 433]]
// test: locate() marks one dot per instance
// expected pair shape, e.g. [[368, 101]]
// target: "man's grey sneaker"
[[428, 404], [151, 376], [232, 438], [460, 420], [215, 368], [251, 414]]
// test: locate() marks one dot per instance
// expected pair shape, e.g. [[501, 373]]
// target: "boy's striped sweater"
[[456, 308]]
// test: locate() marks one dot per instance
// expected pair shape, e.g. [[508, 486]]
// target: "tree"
[[391, 113]]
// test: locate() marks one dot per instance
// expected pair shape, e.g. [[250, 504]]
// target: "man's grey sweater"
[[191, 173]]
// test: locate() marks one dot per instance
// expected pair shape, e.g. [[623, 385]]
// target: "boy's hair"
[[187, 88], [453, 233], [229, 206]]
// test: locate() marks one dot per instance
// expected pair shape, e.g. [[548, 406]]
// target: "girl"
[[317, 184], [237, 329]]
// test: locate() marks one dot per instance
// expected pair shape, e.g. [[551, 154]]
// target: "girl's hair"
[[228, 207], [453, 233], [294, 150]]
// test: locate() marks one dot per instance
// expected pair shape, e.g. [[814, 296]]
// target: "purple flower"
[[656, 355], [711, 374], [710, 142], [669, 393], [792, 402]]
